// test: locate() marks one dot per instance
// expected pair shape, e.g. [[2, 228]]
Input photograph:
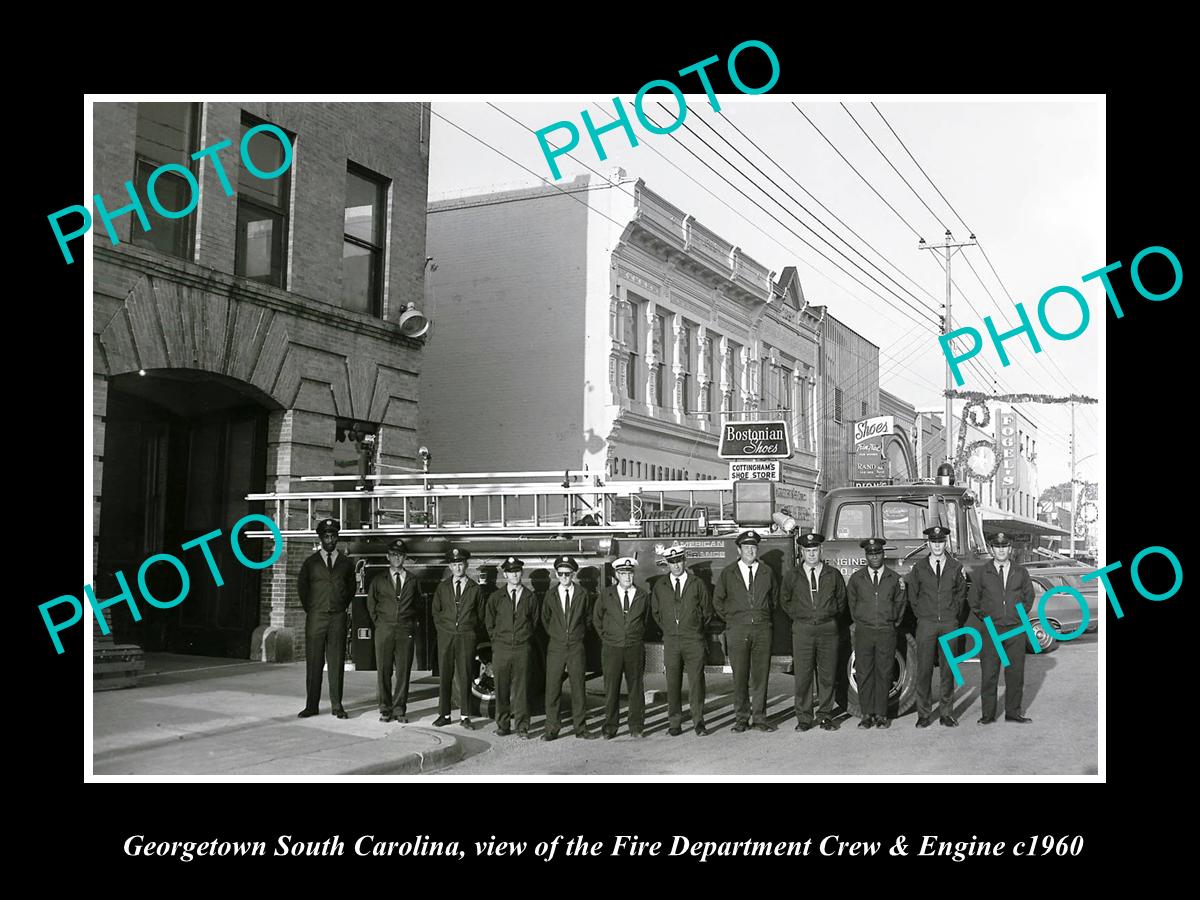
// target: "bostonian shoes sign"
[[755, 440]]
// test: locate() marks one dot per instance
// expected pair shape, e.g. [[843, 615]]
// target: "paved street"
[[223, 717], [1060, 697]]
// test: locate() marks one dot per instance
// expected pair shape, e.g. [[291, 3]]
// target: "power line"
[[1065, 383], [894, 169], [835, 216], [526, 168], [856, 172], [769, 213], [923, 172], [737, 212], [802, 206]]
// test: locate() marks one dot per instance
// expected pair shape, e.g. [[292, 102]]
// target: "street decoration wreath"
[[978, 476], [982, 422]]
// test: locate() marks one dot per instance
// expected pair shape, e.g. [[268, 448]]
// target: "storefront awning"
[[994, 520]]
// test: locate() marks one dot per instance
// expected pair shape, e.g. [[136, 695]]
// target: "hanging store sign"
[[873, 430], [755, 440], [754, 470]]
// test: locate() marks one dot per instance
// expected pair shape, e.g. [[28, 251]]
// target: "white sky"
[[1026, 176]]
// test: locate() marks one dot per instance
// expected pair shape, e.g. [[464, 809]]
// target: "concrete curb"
[[450, 752]]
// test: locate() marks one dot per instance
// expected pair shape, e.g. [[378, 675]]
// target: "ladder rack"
[[546, 504]]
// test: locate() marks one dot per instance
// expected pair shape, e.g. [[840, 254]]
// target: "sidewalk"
[[194, 715]]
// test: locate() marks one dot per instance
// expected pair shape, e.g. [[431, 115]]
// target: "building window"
[[660, 335], [837, 404], [166, 133], [362, 242], [686, 349], [639, 470], [928, 464], [864, 409], [622, 467], [262, 210], [632, 344], [732, 373], [764, 379], [710, 354]]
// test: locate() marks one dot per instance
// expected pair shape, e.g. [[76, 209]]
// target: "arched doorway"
[[182, 448]]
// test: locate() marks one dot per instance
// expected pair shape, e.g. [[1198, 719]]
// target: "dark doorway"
[[181, 451]]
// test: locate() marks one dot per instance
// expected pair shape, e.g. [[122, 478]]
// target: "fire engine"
[[540, 515]]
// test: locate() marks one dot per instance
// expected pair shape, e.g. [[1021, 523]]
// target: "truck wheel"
[[483, 680], [903, 696]]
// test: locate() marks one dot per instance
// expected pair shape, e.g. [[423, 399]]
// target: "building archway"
[[181, 449], [899, 457]]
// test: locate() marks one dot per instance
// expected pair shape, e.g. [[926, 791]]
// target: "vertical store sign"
[[869, 464], [1009, 440]]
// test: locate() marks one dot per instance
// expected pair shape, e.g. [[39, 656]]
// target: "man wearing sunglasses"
[[566, 611]]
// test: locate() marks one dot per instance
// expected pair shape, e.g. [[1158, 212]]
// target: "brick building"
[[849, 393], [241, 343], [602, 327]]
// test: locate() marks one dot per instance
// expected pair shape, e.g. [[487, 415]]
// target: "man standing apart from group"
[[456, 604], [326, 587], [566, 612], [510, 618], [813, 596], [744, 597], [620, 620], [937, 592], [997, 591], [682, 607], [392, 606], [875, 595]]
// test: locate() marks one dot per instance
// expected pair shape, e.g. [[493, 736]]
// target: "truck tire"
[[903, 696], [483, 681], [1047, 641]]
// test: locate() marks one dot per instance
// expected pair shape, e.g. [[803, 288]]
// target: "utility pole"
[[1074, 493], [948, 248]]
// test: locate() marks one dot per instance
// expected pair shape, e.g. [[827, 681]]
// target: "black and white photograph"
[[685, 434]]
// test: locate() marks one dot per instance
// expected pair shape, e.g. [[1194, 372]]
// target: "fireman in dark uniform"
[[566, 614], [681, 606], [997, 590], [937, 592], [744, 597], [456, 605], [620, 620], [392, 605], [875, 595], [813, 596], [326, 586], [510, 618]]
